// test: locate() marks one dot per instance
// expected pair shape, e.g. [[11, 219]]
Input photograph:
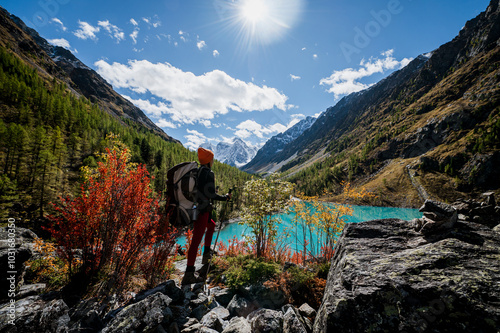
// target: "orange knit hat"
[[205, 156]]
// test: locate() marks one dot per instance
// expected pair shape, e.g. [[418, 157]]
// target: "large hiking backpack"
[[182, 190]]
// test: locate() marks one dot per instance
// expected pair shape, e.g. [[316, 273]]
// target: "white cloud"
[[405, 62], [113, 30], [243, 133], [294, 77], [58, 21], [207, 123], [60, 42], [315, 56], [215, 53], [155, 110], [163, 123], [295, 119], [155, 22], [189, 98], [134, 35], [276, 128], [183, 36], [346, 81], [297, 116], [226, 139], [195, 139], [303, 49], [292, 123], [86, 31], [134, 22], [161, 36], [201, 44], [250, 127]]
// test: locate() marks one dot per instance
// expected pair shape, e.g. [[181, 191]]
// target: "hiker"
[[203, 224]]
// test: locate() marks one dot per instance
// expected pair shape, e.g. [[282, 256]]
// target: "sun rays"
[[260, 22]]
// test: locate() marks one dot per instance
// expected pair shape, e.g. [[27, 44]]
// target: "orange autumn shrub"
[[47, 267], [234, 247], [353, 193], [113, 224]]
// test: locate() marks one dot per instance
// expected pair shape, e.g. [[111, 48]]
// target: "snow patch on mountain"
[[236, 153], [277, 143], [292, 133]]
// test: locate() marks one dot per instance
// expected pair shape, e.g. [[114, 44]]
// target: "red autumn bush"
[[114, 222]]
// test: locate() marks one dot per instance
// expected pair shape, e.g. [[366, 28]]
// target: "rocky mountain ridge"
[[61, 63], [340, 116], [276, 144]]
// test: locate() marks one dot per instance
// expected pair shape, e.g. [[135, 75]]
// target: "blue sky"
[[212, 70]]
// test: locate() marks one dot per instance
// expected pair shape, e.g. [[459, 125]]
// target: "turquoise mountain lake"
[[360, 214]]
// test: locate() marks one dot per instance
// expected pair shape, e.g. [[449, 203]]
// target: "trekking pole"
[[224, 210]]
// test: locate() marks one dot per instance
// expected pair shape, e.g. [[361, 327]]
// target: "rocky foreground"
[[440, 273], [165, 308]]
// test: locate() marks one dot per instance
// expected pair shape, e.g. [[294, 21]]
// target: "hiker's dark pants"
[[202, 224]]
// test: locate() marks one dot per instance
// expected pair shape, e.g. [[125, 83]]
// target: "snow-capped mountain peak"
[[236, 153]]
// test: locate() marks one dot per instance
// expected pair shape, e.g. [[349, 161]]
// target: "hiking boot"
[[190, 277], [207, 255], [203, 271]]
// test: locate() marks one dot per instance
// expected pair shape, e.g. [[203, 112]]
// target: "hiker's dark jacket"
[[206, 189]]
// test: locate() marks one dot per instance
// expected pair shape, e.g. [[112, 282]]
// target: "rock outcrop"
[[387, 276], [16, 247], [437, 217], [486, 212]]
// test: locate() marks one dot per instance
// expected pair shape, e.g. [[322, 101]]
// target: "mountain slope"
[[260, 163], [436, 115], [61, 63]]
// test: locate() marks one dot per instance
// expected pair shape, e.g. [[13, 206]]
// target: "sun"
[[254, 11], [261, 22]]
